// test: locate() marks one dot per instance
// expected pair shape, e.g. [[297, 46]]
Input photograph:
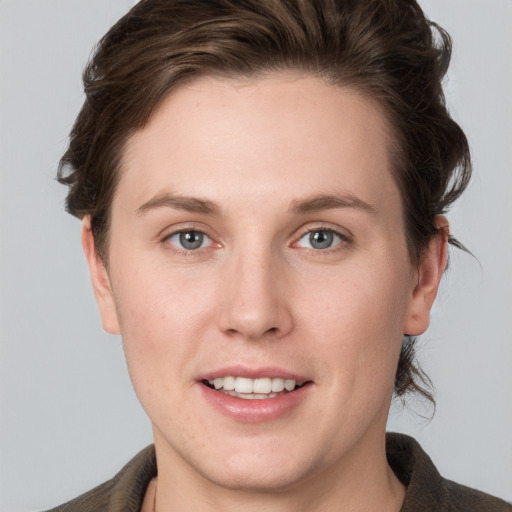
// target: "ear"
[[100, 280], [430, 271]]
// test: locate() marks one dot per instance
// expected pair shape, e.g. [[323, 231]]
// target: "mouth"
[[263, 388]]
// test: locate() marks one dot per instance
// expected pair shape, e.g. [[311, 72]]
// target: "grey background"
[[69, 418]]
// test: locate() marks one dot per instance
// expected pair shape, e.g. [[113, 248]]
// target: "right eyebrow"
[[186, 203]]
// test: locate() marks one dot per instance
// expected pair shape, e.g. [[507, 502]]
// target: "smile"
[[251, 389], [256, 395]]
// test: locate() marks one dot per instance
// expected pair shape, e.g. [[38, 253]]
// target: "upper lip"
[[253, 373]]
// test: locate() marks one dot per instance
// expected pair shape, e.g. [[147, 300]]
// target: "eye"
[[189, 240], [320, 239]]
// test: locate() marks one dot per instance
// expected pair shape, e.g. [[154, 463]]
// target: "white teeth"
[[251, 396], [243, 385], [254, 387], [262, 386], [229, 383], [277, 385], [289, 384]]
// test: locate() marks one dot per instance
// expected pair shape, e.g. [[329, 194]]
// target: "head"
[[166, 75], [386, 50]]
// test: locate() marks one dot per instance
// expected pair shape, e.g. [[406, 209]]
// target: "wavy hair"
[[385, 49]]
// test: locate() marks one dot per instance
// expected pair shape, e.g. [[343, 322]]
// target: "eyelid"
[[165, 234], [171, 231], [205, 239], [344, 236]]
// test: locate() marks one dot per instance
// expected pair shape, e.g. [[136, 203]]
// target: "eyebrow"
[[330, 201], [189, 204], [309, 205]]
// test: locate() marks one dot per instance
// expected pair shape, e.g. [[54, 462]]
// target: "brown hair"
[[385, 49]]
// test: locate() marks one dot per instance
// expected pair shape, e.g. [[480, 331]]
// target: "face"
[[257, 246]]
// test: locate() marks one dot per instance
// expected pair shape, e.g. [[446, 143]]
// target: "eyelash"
[[343, 240], [182, 250]]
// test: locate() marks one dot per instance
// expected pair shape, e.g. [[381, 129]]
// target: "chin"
[[256, 479], [261, 469]]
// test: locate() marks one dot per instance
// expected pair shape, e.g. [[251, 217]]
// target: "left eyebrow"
[[329, 202]]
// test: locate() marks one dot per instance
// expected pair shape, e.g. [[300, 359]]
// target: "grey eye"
[[320, 239], [189, 240]]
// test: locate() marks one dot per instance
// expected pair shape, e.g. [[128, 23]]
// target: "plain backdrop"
[[69, 418]]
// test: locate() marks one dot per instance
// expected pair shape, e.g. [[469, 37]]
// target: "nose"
[[256, 301]]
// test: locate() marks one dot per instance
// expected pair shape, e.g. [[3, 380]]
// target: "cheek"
[[155, 298], [160, 320], [357, 320]]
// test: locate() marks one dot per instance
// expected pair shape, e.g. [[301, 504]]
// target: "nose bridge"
[[256, 303]]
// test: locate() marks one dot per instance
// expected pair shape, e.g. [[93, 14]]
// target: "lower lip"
[[257, 410]]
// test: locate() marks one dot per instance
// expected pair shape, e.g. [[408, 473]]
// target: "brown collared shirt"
[[427, 490]]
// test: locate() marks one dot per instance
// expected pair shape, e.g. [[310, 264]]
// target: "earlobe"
[[430, 271], [100, 280]]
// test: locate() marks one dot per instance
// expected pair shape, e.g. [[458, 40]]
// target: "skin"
[[257, 293]]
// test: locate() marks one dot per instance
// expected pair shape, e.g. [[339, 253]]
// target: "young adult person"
[[262, 187]]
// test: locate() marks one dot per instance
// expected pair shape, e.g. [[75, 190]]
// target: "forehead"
[[256, 135]]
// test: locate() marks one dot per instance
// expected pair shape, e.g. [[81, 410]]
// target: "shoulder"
[[94, 500], [426, 489], [124, 492], [465, 498]]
